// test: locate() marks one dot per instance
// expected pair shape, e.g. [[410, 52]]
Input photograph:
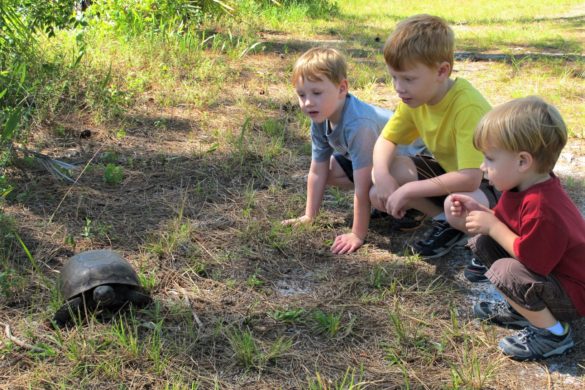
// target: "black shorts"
[[345, 164], [427, 168]]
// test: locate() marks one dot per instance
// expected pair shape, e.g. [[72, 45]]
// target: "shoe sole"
[[473, 279], [560, 351], [444, 251], [408, 229], [519, 324], [475, 276]]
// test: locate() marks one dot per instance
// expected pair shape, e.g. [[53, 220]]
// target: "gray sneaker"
[[534, 344], [500, 313]]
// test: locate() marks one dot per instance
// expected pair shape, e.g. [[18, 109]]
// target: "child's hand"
[[463, 204], [480, 222], [346, 243], [383, 190], [396, 204], [298, 221]]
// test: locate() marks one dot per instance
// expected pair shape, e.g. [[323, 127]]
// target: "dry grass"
[[197, 213]]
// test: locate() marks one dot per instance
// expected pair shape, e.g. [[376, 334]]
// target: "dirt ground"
[[201, 221]]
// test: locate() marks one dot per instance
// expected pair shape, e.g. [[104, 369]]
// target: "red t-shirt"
[[551, 234]]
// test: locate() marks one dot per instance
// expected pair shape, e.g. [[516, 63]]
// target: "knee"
[[403, 170], [509, 266]]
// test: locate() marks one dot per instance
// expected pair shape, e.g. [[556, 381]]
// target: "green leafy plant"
[[254, 281], [349, 381], [328, 323], [113, 174], [250, 353], [288, 316]]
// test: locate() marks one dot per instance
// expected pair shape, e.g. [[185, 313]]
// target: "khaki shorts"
[[530, 290]]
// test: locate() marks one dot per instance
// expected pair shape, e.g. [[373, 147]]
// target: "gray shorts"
[[530, 290]]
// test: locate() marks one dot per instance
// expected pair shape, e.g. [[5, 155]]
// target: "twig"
[[188, 302], [74, 182], [17, 341]]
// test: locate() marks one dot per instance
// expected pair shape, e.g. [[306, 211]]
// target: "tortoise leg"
[[138, 298], [73, 307]]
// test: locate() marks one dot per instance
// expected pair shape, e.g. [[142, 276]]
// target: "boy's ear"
[[343, 86], [525, 161], [444, 70]]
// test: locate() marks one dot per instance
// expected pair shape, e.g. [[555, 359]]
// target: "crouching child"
[[532, 243]]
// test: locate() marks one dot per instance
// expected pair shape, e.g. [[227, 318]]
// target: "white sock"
[[440, 217], [557, 329]]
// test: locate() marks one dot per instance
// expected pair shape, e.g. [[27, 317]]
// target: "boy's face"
[[321, 99], [503, 168], [420, 84]]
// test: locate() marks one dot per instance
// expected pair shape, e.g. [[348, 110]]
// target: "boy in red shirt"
[[533, 241]]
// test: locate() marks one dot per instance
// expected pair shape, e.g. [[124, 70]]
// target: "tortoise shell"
[[90, 269]]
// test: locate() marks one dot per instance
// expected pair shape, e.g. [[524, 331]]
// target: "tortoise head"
[[104, 295]]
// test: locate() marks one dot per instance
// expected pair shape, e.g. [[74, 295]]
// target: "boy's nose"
[[398, 87]]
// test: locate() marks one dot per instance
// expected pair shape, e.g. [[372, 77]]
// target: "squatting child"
[[533, 241], [343, 132], [443, 112]]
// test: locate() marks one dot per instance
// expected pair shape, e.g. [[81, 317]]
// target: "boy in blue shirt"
[[343, 133]]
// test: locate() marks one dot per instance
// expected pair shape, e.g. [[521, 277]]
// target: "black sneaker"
[[439, 241], [412, 220], [534, 343], [500, 313], [377, 214], [475, 272]]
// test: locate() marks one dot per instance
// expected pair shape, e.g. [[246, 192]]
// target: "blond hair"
[[421, 38], [318, 62], [524, 125]]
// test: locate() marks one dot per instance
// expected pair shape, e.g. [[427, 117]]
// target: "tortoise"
[[97, 279]]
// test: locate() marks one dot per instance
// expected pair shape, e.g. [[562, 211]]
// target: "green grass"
[[206, 153]]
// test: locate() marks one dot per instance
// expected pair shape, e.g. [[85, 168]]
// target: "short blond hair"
[[318, 62], [421, 38], [524, 125]]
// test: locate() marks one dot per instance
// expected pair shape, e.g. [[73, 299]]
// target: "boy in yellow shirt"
[[444, 113]]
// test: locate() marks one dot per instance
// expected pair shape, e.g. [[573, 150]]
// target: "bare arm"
[[383, 181], [350, 242], [316, 183], [361, 203], [465, 180]]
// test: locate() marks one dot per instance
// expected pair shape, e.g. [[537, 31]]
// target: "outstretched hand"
[[346, 243]]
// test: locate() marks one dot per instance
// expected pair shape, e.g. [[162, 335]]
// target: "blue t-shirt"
[[354, 136]]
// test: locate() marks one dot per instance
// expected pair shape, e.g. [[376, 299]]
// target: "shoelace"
[[525, 334], [438, 227]]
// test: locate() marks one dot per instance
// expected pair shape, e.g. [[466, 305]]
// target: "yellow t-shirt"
[[446, 127]]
